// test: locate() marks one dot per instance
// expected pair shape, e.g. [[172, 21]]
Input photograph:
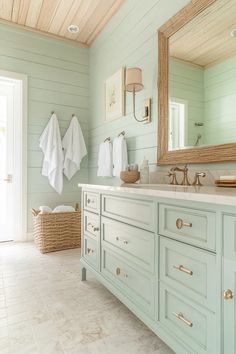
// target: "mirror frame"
[[207, 154]]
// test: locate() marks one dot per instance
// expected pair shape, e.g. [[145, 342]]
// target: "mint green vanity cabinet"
[[229, 283], [91, 251], [169, 261], [189, 321], [189, 225], [133, 211], [91, 225], [136, 284], [189, 270], [133, 243], [91, 201]]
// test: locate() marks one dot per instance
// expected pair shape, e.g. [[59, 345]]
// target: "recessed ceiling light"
[[73, 29], [233, 33]]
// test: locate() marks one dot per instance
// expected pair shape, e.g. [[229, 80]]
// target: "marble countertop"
[[207, 194]]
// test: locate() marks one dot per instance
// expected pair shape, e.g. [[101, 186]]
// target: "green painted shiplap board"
[[58, 79]]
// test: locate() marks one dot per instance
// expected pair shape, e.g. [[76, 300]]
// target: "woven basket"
[[130, 176], [56, 231]]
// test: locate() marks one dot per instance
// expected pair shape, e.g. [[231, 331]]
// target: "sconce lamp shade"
[[133, 80]]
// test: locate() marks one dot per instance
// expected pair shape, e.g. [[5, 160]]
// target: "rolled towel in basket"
[[45, 209], [63, 209]]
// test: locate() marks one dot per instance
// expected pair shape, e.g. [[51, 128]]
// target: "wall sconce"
[[133, 83]]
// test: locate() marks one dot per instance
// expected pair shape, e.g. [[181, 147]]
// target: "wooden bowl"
[[130, 176]]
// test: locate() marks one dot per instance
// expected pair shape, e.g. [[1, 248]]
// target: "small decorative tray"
[[225, 183]]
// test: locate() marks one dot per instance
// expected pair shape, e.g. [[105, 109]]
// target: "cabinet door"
[[229, 289]]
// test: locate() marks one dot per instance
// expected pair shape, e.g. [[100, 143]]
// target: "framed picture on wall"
[[114, 96]]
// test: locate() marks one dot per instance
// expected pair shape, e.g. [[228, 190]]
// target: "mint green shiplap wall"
[[220, 102], [57, 80], [186, 82], [130, 39]]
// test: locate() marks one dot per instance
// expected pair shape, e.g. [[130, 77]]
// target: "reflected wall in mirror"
[[197, 82], [202, 79]]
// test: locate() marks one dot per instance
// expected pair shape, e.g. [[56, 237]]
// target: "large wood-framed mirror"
[[197, 84]]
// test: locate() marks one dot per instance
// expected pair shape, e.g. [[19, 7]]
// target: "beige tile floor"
[[46, 309]]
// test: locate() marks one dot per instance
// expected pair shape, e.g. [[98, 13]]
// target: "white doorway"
[[13, 162], [177, 124]]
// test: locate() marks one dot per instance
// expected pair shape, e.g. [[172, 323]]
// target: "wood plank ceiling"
[[52, 17], [206, 40]]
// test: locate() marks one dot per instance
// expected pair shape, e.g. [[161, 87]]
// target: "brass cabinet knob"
[[118, 271], [180, 224], [228, 294], [90, 251]]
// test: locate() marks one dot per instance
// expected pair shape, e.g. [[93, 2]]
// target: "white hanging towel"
[[74, 148], [120, 155], [50, 143], [105, 160]]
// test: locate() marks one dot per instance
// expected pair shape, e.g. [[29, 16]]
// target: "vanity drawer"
[[189, 270], [131, 241], [130, 280], [186, 320], [140, 213], [91, 224], [192, 226], [90, 251], [92, 202]]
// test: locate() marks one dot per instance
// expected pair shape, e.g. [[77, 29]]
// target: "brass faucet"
[[185, 181]]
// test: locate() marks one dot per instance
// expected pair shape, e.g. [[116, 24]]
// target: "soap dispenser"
[[144, 172]]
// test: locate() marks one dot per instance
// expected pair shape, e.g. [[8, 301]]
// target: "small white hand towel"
[[63, 209], [74, 148], [44, 209], [120, 155], [105, 160], [50, 143]]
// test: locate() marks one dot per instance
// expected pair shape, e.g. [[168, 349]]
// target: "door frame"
[[21, 142]]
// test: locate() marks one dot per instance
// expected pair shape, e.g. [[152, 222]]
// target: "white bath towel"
[[74, 148], [63, 209], [44, 209], [50, 143], [120, 155], [105, 159]]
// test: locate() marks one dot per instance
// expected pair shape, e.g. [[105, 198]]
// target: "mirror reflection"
[[202, 79]]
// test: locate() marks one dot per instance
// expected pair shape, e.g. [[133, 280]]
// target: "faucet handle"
[[197, 181], [172, 174]]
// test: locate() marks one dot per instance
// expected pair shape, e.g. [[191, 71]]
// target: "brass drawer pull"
[[180, 224], [124, 241], [228, 294], [119, 272], [90, 251], [180, 317], [181, 268], [90, 201], [93, 227]]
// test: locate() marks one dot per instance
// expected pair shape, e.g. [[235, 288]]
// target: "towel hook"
[[73, 115], [122, 133], [107, 139], [52, 112]]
